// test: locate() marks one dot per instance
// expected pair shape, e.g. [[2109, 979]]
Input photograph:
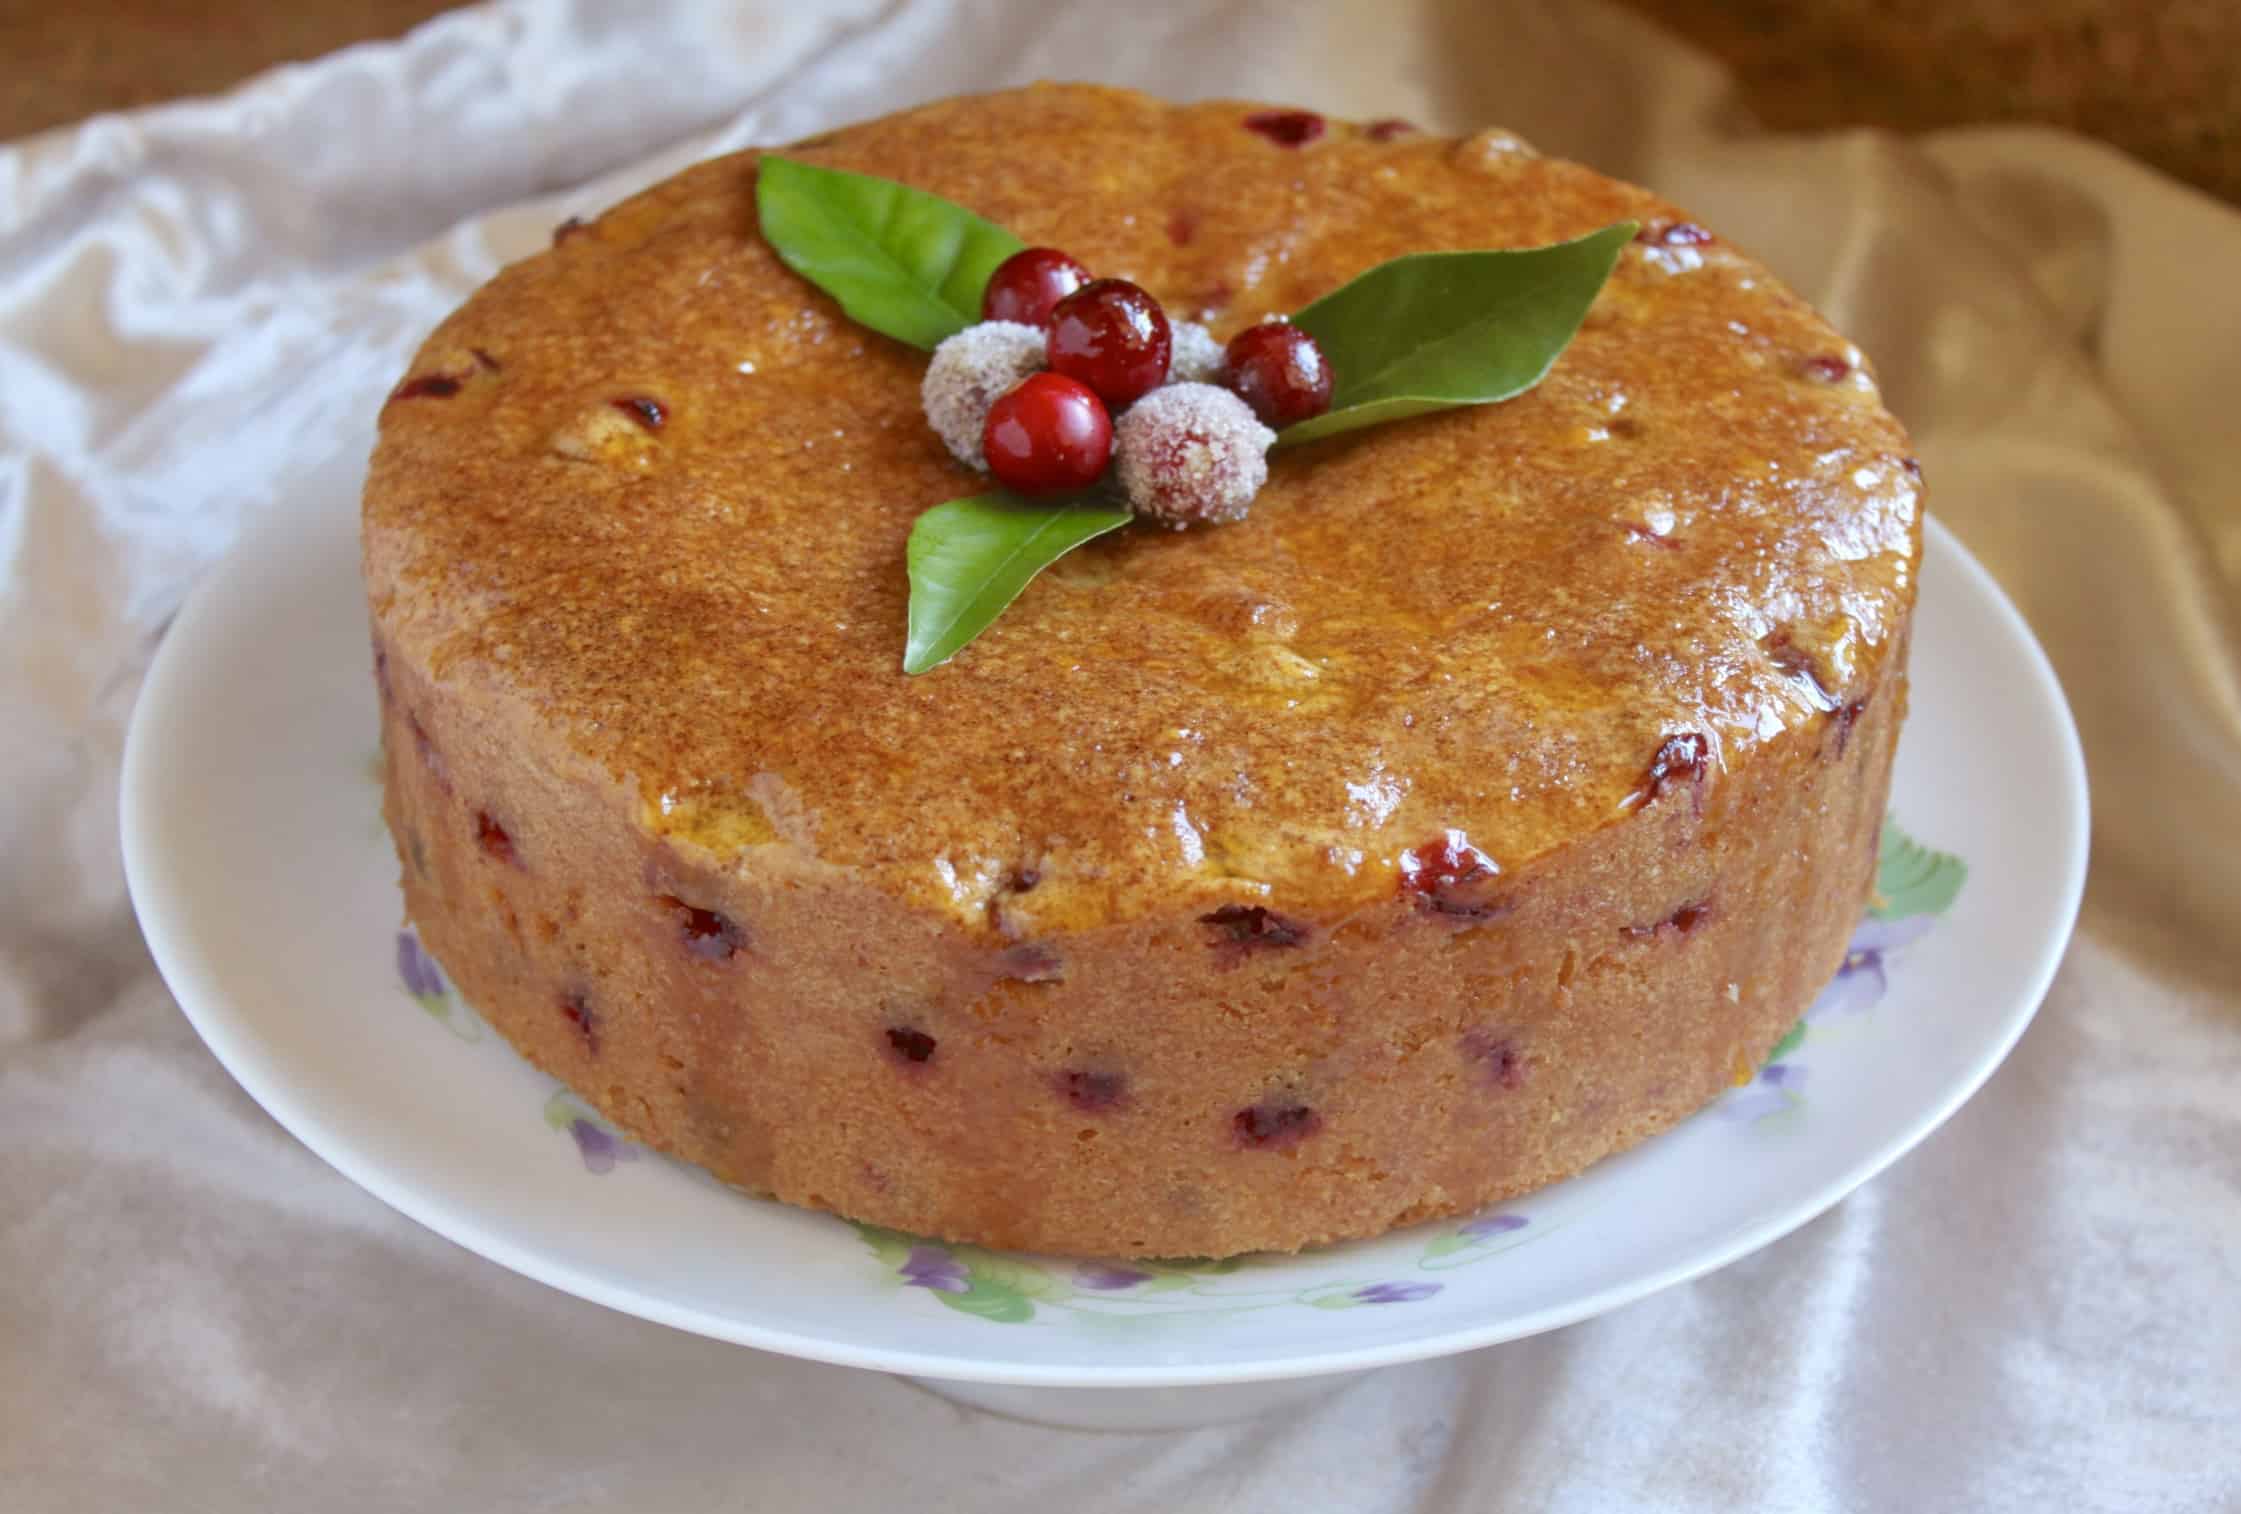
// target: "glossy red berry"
[[1046, 434], [1027, 284], [1113, 337], [1277, 369]]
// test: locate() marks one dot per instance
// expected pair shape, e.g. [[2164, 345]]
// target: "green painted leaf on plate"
[[969, 558], [904, 262], [1434, 330], [1022, 1277], [890, 1247], [991, 1301], [1913, 879], [1788, 1043]]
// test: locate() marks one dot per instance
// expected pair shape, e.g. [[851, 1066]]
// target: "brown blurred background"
[[2159, 78]]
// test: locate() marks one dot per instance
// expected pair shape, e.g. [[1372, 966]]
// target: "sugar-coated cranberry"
[[1274, 1126], [1047, 434], [1388, 128], [1286, 128], [1673, 234], [1191, 453], [1026, 285], [1112, 336], [1280, 371], [1827, 368], [911, 1044]]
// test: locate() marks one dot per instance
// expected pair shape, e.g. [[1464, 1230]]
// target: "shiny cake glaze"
[[634, 548]]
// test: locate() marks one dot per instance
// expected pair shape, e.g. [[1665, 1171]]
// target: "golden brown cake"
[[1493, 797]]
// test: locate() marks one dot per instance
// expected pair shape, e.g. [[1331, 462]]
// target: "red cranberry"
[[1274, 1126], [1827, 369], [577, 1010], [1047, 434], [910, 1044], [493, 837], [707, 934], [1387, 129], [1841, 722], [1030, 962], [429, 756], [1112, 336], [1497, 1056], [1680, 759], [1092, 1092], [1793, 661], [1683, 921], [1279, 370], [1027, 284], [1286, 128], [1239, 930], [645, 411], [437, 386], [1451, 877]]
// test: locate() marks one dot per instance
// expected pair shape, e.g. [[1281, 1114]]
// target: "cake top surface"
[[659, 486]]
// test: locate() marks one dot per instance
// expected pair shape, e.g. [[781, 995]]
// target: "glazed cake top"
[[1488, 619]]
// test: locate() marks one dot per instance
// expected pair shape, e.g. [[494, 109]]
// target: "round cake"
[[1493, 796]]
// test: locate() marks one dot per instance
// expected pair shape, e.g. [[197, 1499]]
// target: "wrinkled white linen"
[[202, 303]]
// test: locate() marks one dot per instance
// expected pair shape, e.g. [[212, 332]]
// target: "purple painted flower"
[[932, 1267], [1860, 980], [1106, 1278], [1395, 1293], [600, 1147], [1487, 1226], [417, 970], [1772, 1091]]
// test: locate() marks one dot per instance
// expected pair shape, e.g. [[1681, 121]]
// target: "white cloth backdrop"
[[199, 304]]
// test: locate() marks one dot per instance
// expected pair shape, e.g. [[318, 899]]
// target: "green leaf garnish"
[[1434, 330], [906, 263], [1913, 879], [969, 558]]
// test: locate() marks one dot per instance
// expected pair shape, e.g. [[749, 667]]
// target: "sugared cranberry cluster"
[[1031, 393]]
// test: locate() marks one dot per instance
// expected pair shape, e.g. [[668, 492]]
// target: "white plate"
[[266, 886]]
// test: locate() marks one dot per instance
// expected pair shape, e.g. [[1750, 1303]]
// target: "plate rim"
[[196, 988]]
